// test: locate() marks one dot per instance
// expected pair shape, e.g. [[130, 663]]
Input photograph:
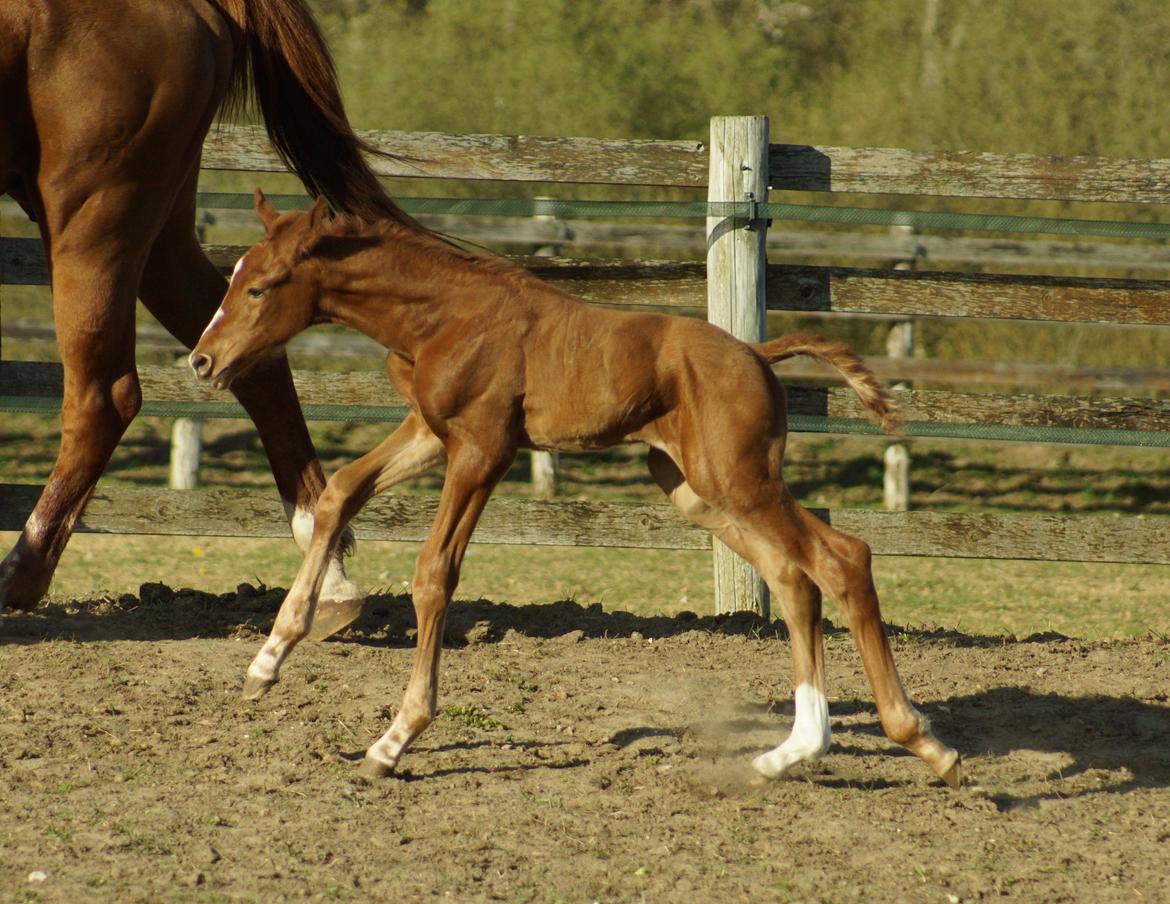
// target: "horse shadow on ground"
[[1123, 738]]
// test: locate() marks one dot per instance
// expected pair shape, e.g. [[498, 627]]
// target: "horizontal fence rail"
[[685, 164], [364, 396], [234, 513], [891, 293]]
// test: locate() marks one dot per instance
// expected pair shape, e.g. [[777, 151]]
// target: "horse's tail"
[[295, 83], [872, 394]]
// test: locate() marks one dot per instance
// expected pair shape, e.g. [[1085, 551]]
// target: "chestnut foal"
[[490, 360]]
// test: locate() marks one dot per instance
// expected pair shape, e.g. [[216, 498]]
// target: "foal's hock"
[[490, 360]]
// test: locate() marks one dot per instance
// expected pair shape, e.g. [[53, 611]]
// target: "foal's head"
[[272, 295]]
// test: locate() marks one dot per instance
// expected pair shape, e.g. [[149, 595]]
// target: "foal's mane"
[[433, 246]]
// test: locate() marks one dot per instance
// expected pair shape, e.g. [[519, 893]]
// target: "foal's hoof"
[[332, 616], [373, 769], [952, 774], [255, 688]]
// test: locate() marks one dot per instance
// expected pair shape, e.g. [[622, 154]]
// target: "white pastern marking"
[[265, 666], [337, 586], [810, 737], [301, 522]]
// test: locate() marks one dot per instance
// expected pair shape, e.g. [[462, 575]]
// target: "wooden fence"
[[885, 292]]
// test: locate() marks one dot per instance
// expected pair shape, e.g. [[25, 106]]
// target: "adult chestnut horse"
[[105, 107], [490, 359]]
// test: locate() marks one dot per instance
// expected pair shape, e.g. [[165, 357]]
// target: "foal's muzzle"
[[202, 364]]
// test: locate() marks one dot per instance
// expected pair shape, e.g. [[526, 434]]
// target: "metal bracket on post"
[[753, 209]]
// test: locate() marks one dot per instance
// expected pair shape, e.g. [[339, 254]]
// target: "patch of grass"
[[473, 717]]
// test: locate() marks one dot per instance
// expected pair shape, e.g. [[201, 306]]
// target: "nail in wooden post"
[[736, 271]]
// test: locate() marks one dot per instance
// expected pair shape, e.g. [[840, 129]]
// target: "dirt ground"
[[581, 755]]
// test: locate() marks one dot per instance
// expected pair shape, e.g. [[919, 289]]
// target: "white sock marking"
[[810, 737], [337, 585]]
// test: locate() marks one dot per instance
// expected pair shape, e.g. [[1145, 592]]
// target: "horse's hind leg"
[[93, 283], [183, 289], [800, 604]]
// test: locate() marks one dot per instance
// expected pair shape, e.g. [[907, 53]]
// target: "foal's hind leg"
[[841, 565], [800, 604], [182, 289], [409, 451]]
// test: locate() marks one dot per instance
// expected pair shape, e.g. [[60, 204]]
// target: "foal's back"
[[594, 377]]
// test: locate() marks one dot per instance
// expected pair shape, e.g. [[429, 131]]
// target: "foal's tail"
[[872, 394], [295, 83]]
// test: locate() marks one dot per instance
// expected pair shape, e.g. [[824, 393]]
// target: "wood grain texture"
[[512, 158], [232, 513], [372, 390], [969, 174], [909, 293], [737, 297], [685, 163]]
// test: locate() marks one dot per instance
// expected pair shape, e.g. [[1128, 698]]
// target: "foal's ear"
[[318, 222], [319, 215], [265, 211]]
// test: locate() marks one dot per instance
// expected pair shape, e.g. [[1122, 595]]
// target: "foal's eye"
[[255, 293]]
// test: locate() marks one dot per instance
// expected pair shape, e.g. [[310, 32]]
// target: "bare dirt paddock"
[[581, 755]]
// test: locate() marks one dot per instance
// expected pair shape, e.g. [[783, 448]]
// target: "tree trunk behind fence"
[[736, 278]]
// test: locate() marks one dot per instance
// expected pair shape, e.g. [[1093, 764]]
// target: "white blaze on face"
[[810, 737], [219, 312]]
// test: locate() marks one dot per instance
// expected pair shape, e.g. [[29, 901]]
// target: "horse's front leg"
[[407, 452], [471, 476]]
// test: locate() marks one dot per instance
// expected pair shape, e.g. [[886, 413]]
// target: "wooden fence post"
[[899, 345], [186, 448], [545, 464], [736, 296]]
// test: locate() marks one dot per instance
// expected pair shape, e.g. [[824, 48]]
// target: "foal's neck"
[[399, 287]]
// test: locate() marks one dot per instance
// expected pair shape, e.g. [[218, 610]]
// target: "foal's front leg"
[[407, 452], [471, 477]]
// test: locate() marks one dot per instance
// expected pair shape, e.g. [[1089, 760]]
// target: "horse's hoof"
[[18, 591], [953, 774], [332, 616], [373, 769], [255, 688]]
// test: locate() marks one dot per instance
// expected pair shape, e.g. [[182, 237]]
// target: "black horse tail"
[[282, 54]]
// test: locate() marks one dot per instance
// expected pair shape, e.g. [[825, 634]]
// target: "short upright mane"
[[434, 245]]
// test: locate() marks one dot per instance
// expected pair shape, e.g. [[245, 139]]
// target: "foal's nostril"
[[201, 364]]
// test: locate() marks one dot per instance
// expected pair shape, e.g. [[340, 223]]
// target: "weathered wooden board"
[[969, 174], [512, 158], [350, 344], [685, 163], [909, 293], [813, 289], [234, 513], [372, 390], [839, 245]]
